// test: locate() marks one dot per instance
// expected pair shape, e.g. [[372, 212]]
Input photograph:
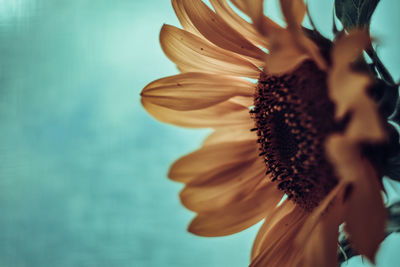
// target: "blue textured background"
[[82, 166]]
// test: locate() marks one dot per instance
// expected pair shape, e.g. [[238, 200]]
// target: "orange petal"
[[193, 54], [212, 157], [223, 114], [288, 49], [232, 133], [251, 8], [345, 85], [277, 248], [312, 50], [321, 247], [348, 89], [245, 101], [238, 216], [348, 47], [365, 215], [293, 11], [271, 220], [223, 9], [227, 172], [284, 55], [319, 235], [365, 124], [216, 30], [223, 188], [191, 91], [315, 217], [255, 10], [342, 79], [183, 17]]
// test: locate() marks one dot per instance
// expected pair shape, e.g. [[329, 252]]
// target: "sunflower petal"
[[216, 30], [284, 56], [191, 91], [223, 188], [245, 101], [232, 133], [363, 200], [366, 123], [316, 216], [238, 216], [278, 248], [252, 8], [366, 232], [223, 114], [348, 47], [193, 54], [289, 49], [209, 158], [293, 11], [183, 17], [222, 8], [271, 220], [321, 247], [319, 235], [349, 89], [255, 10]]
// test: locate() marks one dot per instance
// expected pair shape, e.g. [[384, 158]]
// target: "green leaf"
[[355, 13]]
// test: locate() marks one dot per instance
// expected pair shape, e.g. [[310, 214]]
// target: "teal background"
[[82, 165]]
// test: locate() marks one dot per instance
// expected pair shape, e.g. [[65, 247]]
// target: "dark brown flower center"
[[293, 116]]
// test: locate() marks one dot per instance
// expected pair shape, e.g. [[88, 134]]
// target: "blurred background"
[[82, 165]]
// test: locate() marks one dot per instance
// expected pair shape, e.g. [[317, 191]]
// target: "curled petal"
[[348, 89], [342, 79], [362, 199], [193, 54], [191, 91], [348, 47]]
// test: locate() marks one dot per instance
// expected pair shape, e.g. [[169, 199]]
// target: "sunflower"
[[288, 149]]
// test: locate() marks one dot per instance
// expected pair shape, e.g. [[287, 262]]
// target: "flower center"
[[293, 116]]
